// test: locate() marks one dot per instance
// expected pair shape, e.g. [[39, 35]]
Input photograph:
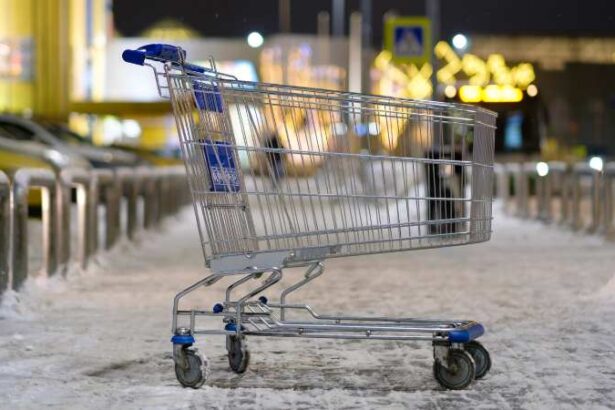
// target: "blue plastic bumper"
[[466, 335], [182, 340]]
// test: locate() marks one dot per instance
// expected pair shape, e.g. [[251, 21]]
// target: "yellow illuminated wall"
[[87, 47], [44, 49], [490, 80], [16, 28]]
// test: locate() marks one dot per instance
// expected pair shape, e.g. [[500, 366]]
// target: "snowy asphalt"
[[100, 339]]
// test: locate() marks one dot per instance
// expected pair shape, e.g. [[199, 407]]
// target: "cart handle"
[[165, 53]]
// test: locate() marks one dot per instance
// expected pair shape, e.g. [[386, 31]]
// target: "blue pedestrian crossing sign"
[[408, 39]]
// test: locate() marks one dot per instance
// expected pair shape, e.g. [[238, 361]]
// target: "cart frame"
[[452, 192]]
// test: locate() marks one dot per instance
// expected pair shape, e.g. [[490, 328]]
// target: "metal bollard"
[[150, 187], [543, 196], [105, 189], [607, 209], [528, 170], [23, 181], [554, 182], [512, 171], [520, 185], [80, 179], [502, 183], [567, 197], [5, 230], [579, 171], [175, 176], [129, 188], [165, 197]]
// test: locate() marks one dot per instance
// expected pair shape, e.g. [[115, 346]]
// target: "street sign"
[[408, 39]]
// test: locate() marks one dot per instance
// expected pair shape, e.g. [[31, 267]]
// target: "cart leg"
[[208, 281], [191, 367], [236, 345], [312, 273]]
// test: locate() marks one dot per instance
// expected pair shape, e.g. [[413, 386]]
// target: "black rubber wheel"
[[460, 371], [481, 358], [195, 374], [238, 353]]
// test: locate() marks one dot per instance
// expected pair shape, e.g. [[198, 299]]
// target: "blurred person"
[[274, 158]]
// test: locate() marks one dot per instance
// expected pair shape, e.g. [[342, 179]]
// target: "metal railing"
[[162, 190], [573, 195], [5, 230]]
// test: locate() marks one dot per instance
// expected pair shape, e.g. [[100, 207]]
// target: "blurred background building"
[[548, 69]]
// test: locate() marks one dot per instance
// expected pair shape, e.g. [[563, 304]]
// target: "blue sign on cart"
[[207, 96], [221, 165]]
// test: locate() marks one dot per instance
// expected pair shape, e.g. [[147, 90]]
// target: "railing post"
[[80, 179], [150, 187], [596, 205], [179, 186], [5, 230], [104, 187], [23, 181], [555, 180], [528, 170], [575, 206], [523, 188], [165, 196], [543, 195], [567, 196], [511, 172], [607, 211], [502, 183], [130, 189]]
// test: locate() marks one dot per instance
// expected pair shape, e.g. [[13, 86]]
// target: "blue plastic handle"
[[160, 52]]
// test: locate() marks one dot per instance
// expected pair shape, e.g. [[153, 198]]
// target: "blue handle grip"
[[160, 52]]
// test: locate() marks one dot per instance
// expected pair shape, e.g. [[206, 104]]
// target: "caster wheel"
[[481, 358], [195, 372], [460, 371], [238, 353]]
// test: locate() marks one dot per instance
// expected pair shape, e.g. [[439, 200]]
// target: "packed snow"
[[100, 338]]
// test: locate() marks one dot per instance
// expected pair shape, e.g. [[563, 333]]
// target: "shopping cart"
[[285, 176]]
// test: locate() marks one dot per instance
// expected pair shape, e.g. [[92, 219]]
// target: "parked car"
[[16, 154], [104, 156], [61, 139], [19, 150]]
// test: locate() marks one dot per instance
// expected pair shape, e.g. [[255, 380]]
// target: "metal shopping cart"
[[285, 176]]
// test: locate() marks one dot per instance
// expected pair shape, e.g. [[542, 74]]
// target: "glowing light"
[[131, 129], [499, 93], [112, 129], [510, 94], [383, 59], [470, 93], [491, 93], [255, 39], [542, 169], [596, 163], [460, 42], [532, 90], [450, 91], [373, 128], [4, 50], [339, 128]]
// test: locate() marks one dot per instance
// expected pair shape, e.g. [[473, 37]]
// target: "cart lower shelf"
[[458, 358]]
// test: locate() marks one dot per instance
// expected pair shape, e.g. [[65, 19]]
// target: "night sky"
[[227, 18]]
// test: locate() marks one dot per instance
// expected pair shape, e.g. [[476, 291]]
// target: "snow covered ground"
[[100, 339]]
